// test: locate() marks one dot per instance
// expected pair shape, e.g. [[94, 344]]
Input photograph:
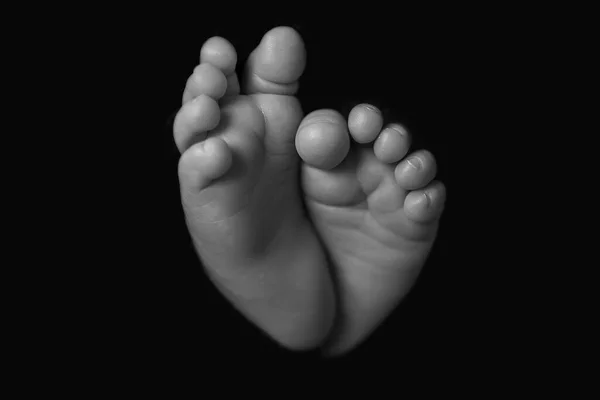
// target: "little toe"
[[416, 171], [204, 162], [276, 65], [392, 144], [206, 79], [365, 122], [194, 120], [322, 139], [427, 204]]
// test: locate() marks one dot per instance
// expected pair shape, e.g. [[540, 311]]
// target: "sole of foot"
[[239, 185], [376, 208]]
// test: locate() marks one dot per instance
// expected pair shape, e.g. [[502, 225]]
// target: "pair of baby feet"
[[314, 228]]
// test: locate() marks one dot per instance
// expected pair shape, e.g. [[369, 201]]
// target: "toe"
[[416, 171], [322, 139], [204, 162], [365, 122], [426, 205], [221, 54], [392, 144], [194, 120], [218, 52], [275, 66], [206, 79]]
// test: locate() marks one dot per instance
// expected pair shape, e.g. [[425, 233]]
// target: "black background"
[[112, 289], [149, 309]]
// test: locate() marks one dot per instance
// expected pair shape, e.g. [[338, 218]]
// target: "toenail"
[[427, 197], [372, 108], [399, 129], [415, 162]]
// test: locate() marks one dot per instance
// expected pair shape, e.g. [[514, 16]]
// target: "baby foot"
[[239, 186], [377, 215]]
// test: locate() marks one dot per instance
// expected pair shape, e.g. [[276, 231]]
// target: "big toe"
[[322, 140], [277, 63]]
